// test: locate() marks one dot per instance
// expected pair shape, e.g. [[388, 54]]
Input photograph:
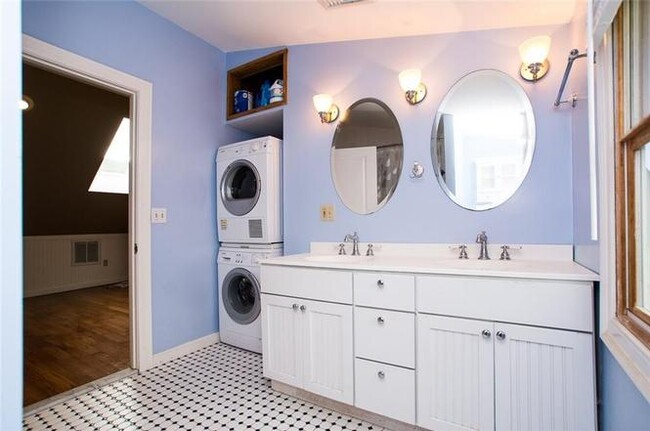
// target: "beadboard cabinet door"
[[328, 350], [308, 344], [544, 379], [455, 374], [282, 339]]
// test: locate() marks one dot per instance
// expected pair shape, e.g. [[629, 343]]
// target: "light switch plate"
[[158, 215], [327, 212]]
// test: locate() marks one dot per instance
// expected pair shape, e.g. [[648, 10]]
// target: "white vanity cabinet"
[[384, 343], [481, 374], [308, 343]]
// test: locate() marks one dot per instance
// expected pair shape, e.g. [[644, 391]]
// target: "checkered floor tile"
[[216, 388]]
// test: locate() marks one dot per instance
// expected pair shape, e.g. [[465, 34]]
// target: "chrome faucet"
[[355, 243], [482, 239]]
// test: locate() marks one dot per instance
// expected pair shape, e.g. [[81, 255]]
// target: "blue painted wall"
[[540, 212], [188, 101]]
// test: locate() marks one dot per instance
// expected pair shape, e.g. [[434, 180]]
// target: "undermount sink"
[[337, 258]]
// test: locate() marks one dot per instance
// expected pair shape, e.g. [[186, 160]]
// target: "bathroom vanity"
[[414, 337]]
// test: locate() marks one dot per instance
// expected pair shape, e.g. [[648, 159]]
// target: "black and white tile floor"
[[216, 388]]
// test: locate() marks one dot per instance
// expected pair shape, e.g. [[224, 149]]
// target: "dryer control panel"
[[235, 257]]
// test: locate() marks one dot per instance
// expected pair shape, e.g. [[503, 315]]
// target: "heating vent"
[[328, 4], [85, 252], [255, 228]]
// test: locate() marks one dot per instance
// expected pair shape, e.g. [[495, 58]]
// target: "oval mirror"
[[366, 156], [483, 139]]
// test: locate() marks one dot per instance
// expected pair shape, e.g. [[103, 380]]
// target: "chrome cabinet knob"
[[501, 335], [295, 307], [380, 283], [381, 375], [380, 320], [303, 308], [486, 333]]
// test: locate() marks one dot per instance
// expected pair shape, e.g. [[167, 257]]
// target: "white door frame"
[[50, 57]]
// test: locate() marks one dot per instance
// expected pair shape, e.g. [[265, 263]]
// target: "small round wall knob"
[[380, 320], [486, 333], [501, 335], [381, 375]]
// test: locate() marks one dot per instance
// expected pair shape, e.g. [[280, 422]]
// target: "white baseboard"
[[184, 349], [74, 286]]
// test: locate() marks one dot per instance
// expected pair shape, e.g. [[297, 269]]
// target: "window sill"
[[631, 355]]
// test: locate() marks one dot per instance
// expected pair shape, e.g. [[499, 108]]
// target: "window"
[[113, 173], [632, 129]]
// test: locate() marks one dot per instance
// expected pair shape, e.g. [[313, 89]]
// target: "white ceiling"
[[234, 25]]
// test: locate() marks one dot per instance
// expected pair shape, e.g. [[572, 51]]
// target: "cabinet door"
[[455, 374], [281, 339], [327, 350], [544, 379]]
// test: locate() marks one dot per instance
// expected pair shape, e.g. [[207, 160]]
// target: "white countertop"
[[537, 263]]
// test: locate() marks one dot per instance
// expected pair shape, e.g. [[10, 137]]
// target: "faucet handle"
[[504, 253], [463, 251], [341, 249], [370, 251]]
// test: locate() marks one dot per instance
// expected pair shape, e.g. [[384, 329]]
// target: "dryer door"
[[240, 294], [240, 187]]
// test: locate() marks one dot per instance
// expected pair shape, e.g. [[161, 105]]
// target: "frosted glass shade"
[[322, 102], [410, 79], [535, 50]]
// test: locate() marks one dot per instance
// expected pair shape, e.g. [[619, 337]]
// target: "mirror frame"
[[529, 157], [332, 148]]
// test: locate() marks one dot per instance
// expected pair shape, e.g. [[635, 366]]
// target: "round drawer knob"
[[381, 375], [303, 308], [295, 307], [380, 283], [380, 320], [501, 335], [486, 333]]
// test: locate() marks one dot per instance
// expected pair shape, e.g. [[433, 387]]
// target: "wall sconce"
[[533, 53], [411, 82], [327, 110]]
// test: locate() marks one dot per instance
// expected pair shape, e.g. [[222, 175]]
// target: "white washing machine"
[[249, 196], [240, 293]]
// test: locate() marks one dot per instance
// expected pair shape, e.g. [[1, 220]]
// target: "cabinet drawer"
[[384, 389], [319, 284], [386, 336], [384, 290], [549, 303]]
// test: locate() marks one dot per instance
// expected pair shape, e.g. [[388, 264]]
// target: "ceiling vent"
[[329, 4]]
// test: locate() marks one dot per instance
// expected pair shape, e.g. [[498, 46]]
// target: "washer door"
[[240, 187], [240, 294]]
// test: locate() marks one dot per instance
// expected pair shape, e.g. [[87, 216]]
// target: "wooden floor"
[[73, 338]]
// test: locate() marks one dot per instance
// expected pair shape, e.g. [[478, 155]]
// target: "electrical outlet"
[[158, 215], [327, 212]]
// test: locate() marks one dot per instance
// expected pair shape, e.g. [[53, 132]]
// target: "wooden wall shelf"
[[250, 76]]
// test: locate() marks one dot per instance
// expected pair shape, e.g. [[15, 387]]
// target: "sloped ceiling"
[[233, 25]]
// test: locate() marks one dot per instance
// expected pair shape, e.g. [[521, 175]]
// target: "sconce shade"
[[327, 111], [535, 50], [322, 102], [410, 79]]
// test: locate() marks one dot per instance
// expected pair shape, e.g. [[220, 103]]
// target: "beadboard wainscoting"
[[49, 267]]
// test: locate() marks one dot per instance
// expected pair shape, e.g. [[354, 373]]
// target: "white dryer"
[[240, 293], [249, 197]]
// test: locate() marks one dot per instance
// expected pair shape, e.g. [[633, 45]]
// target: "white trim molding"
[[139, 91], [633, 357], [184, 349]]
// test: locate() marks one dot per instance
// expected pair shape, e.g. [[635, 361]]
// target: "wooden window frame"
[[634, 318]]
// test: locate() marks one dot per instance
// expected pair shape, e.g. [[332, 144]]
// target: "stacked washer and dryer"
[[249, 223]]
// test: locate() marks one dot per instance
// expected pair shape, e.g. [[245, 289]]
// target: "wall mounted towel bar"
[[573, 55]]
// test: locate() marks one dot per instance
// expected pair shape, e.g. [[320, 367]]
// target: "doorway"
[[75, 233], [139, 94]]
